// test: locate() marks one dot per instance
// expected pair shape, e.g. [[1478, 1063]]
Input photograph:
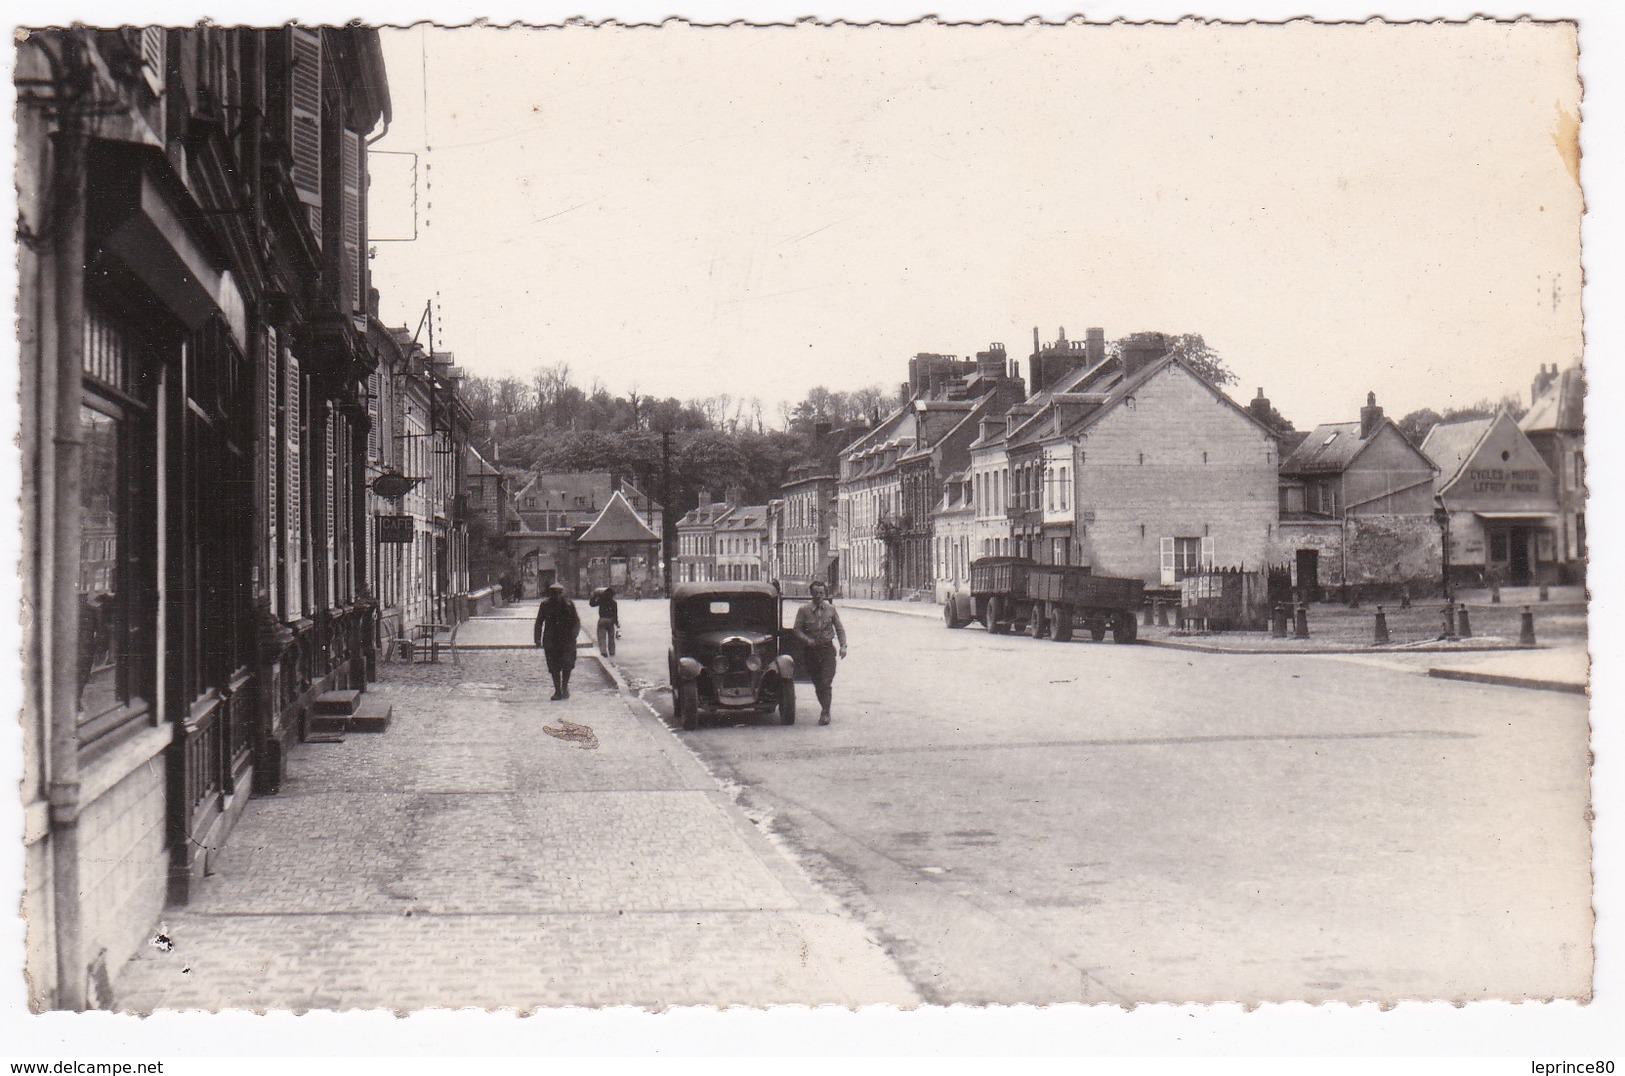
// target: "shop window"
[[116, 552]]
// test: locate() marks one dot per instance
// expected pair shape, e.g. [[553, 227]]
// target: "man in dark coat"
[[557, 626]]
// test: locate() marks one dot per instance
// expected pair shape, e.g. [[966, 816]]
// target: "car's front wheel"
[[787, 702], [688, 705]]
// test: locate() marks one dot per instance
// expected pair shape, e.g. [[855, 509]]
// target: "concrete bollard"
[[1464, 627], [1448, 629], [1545, 592], [1148, 613], [1300, 627], [1380, 636], [1278, 619], [1495, 593], [1526, 629], [1162, 614]]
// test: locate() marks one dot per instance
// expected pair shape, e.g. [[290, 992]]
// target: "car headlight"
[[754, 663], [719, 664]]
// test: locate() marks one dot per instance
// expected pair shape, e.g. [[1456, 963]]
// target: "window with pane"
[[116, 540]]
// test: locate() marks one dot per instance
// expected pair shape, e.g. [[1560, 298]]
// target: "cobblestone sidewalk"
[[467, 857]]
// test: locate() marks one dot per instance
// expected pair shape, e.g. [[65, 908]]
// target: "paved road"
[[1026, 821]]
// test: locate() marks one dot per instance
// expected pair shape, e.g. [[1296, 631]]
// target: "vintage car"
[[727, 652]]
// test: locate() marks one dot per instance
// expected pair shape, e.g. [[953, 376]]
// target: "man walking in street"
[[819, 627], [609, 619], [557, 625]]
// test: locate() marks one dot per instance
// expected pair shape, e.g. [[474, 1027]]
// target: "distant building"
[[891, 477], [741, 544], [619, 549], [696, 558], [1501, 502], [1356, 506], [1555, 425], [1133, 466]]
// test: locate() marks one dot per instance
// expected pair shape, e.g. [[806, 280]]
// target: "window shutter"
[[273, 444], [353, 252], [305, 121], [153, 40], [1168, 566], [1207, 554], [293, 490], [372, 416], [330, 507]]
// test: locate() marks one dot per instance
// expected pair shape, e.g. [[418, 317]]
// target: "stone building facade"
[[1357, 511], [193, 328]]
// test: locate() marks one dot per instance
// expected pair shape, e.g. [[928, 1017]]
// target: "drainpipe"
[[62, 602]]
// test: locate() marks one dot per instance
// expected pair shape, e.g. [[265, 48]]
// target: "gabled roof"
[[1560, 407], [1118, 389], [637, 497], [619, 522], [1451, 444], [481, 465], [1328, 449], [706, 514], [745, 517]]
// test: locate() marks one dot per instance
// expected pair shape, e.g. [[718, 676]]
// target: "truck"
[[1014, 594]]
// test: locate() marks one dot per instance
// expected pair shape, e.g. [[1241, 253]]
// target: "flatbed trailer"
[[1013, 594]]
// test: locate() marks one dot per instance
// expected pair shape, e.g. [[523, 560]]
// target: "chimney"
[[1542, 382], [705, 498], [1260, 406], [1370, 416], [1035, 364], [1141, 350], [1094, 347]]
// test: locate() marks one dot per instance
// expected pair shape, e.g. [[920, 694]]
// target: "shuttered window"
[[273, 455], [293, 488], [354, 236], [304, 121], [153, 39], [330, 506]]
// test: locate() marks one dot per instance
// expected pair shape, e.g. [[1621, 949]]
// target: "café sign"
[[395, 530]]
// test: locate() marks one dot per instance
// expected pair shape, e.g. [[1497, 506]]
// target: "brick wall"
[[1143, 475]]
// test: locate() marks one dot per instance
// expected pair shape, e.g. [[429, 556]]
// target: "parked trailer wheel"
[[1060, 624], [950, 614], [1097, 631], [1038, 622], [1124, 628], [995, 615]]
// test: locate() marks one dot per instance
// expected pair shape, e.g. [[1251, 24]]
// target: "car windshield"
[[728, 612]]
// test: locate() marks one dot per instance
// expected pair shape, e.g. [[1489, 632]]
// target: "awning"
[[1537, 517], [140, 214]]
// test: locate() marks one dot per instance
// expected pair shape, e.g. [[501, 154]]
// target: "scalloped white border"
[[1516, 1033]]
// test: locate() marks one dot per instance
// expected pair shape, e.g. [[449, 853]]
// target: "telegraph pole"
[[668, 523]]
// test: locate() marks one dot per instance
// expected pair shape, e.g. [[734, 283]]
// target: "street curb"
[[1203, 648], [1502, 680], [1174, 644], [807, 896]]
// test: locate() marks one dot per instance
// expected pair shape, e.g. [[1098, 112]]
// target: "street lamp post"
[[1442, 517]]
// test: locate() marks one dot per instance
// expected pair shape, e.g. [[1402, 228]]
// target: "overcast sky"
[[698, 211]]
